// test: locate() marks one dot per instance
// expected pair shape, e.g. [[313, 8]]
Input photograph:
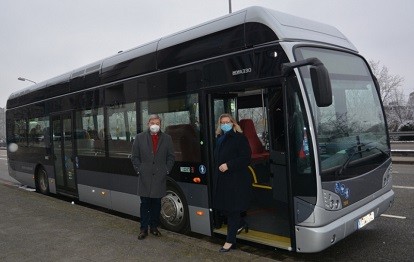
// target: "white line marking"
[[3, 158], [27, 188], [392, 216], [404, 187]]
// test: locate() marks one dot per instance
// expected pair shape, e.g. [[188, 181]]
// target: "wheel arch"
[[176, 206]]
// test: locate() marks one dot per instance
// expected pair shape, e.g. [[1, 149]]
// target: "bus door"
[[63, 152], [259, 112], [217, 105]]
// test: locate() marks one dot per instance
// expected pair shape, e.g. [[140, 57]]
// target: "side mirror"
[[321, 82], [321, 85]]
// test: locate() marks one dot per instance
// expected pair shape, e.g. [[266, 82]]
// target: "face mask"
[[154, 128], [226, 127]]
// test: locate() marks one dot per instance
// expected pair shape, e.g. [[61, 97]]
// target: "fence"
[[402, 136]]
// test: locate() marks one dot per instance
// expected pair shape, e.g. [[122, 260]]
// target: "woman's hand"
[[223, 167]]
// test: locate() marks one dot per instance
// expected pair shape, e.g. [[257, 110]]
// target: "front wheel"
[[42, 182], [174, 210]]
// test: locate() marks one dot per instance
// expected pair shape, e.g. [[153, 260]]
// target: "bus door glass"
[[223, 104], [302, 172], [63, 153]]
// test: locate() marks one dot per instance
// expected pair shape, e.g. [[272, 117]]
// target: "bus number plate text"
[[365, 220]]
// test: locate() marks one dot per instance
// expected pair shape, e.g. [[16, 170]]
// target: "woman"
[[231, 180]]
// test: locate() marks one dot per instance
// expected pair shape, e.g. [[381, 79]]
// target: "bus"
[[306, 100]]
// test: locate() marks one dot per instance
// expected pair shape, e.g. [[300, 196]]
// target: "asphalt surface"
[[34, 227]]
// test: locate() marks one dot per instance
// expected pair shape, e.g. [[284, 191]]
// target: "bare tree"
[[389, 84], [392, 95]]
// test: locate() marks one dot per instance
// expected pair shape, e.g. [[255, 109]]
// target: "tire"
[[42, 182], [174, 210]]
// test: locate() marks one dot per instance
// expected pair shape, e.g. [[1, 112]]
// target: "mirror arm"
[[287, 68]]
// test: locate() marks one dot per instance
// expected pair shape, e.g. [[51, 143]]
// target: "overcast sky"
[[40, 39]]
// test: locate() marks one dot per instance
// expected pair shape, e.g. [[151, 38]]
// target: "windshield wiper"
[[379, 149], [358, 150]]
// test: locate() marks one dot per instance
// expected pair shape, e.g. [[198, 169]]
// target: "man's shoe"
[[143, 234], [155, 232]]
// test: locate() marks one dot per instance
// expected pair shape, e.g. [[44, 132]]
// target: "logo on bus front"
[[342, 190]]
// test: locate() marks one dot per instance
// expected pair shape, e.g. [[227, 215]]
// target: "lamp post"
[[229, 6], [25, 79]]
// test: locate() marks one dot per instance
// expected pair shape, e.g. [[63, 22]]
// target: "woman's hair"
[[236, 126]]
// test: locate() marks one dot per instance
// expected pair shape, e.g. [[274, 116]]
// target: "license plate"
[[363, 221]]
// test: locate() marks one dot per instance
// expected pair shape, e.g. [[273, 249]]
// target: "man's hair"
[[154, 116]]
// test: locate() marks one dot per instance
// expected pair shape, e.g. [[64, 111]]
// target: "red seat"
[[258, 150]]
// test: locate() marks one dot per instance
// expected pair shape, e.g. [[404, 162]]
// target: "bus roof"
[[285, 27]]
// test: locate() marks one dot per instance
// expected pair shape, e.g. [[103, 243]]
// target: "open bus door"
[[64, 153], [259, 112]]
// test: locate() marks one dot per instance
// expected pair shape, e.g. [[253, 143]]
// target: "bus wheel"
[[174, 210], [42, 182]]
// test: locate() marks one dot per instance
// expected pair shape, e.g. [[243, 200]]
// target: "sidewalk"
[[35, 227]]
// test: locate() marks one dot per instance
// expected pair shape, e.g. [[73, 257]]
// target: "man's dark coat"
[[152, 169]]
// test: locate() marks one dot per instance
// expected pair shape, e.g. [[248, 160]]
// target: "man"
[[153, 159]]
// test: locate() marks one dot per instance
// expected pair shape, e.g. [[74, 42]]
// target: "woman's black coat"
[[232, 189]]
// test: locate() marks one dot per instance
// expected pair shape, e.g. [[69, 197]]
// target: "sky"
[[41, 39]]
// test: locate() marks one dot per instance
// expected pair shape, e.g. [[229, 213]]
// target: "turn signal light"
[[200, 213], [197, 180]]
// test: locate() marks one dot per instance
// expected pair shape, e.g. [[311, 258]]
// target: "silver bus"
[[306, 100]]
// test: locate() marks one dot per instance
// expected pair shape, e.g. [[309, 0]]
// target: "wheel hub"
[[172, 209]]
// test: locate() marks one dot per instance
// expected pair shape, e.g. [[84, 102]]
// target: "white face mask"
[[154, 128]]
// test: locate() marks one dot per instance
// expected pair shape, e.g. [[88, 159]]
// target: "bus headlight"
[[387, 176], [332, 200]]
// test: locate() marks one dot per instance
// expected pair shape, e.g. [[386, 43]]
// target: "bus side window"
[[88, 122], [20, 132], [122, 129], [179, 118], [186, 145]]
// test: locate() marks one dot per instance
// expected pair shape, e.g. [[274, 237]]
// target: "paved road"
[[402, 145]]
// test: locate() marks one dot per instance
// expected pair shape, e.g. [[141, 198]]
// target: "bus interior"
[[259, 112]]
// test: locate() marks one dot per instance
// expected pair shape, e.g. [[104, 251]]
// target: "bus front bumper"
[[315, 239]]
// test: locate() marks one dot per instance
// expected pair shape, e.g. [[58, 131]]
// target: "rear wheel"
[[174, 210], [42, 182]]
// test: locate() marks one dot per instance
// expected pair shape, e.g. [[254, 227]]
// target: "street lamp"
[[25, 79]]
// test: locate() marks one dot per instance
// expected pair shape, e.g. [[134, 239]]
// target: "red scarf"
[[154, 142]]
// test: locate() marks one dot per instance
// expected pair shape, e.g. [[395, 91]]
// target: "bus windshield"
[[351, 133]]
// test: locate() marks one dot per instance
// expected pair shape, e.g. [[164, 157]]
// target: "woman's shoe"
[[233, 246], [245, 227]]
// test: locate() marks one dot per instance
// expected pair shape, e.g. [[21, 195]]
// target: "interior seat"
[[258, 150]]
